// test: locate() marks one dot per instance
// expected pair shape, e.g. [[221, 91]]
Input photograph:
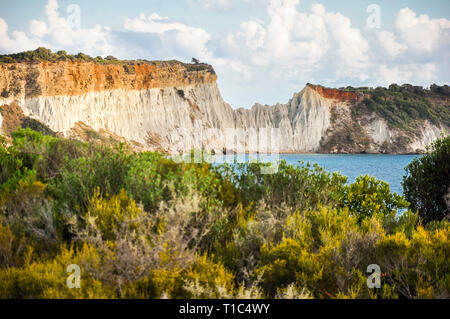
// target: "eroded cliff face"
[[302, 122], [36, 79], [155, 105], [172, 107]]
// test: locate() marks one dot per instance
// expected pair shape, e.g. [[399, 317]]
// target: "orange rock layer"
[[13, 117], [335, 94], [76, 78]]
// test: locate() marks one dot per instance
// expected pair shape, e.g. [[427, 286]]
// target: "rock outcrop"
[[172, 107]]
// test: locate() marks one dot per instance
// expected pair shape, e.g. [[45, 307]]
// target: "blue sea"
[[389, 168]]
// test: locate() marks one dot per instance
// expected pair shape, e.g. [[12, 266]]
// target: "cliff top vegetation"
[[403, 105], [42, 54]]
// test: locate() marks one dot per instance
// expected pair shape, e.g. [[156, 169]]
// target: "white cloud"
[[218, 5], [420, 32], [38, 28], [182, 38], [390, 43], [416, 37], [56, 34], [353, 48], [416, 51], [242, 69], [253, 33], [18, 42], [406, 73], [317, 45], [153, 24], [96, 40], [181, 41], [298, 42], [294, 37], [223, 5]]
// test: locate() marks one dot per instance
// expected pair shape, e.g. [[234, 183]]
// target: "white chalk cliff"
[[176, 107]]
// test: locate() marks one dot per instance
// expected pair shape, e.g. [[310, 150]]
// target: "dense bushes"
[[427, 182], [43, 54], [369, 196], [331, 261], [140, 225], [46, 278]]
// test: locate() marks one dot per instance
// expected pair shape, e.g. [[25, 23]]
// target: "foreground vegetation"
[[427, 182], [140, 225]]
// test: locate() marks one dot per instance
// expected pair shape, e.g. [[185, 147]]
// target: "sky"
[[262, 50]]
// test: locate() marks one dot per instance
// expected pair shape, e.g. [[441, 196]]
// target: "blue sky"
[[262, 50]]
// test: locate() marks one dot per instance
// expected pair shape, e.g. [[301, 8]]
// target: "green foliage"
[[427, 182], [37, 126], [203, 279], [402, 106], [369, 196], [110, 213], [15, 166], [146, 179], [443, 90], [80, 176], [323, 251], [141, 225], [299, 187], [327, 253], [417, 266], [29, 215], [46, 279], [43, 54], [14, 250]]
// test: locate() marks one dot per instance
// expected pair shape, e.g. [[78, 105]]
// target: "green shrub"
[[29, 215], [143, 226], [368, 196], [299, 187], [110, 213], [327, 253], [417, 267], [204, 279], [37, 126], [427, 182], [46, 279], [79, 177]]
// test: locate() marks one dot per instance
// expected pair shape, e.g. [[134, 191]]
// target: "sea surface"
[[389, 168]]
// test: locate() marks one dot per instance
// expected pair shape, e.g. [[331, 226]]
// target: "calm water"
[[389, 168]]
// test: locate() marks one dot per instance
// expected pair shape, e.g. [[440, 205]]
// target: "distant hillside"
[[403, 105], [408, 112]]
